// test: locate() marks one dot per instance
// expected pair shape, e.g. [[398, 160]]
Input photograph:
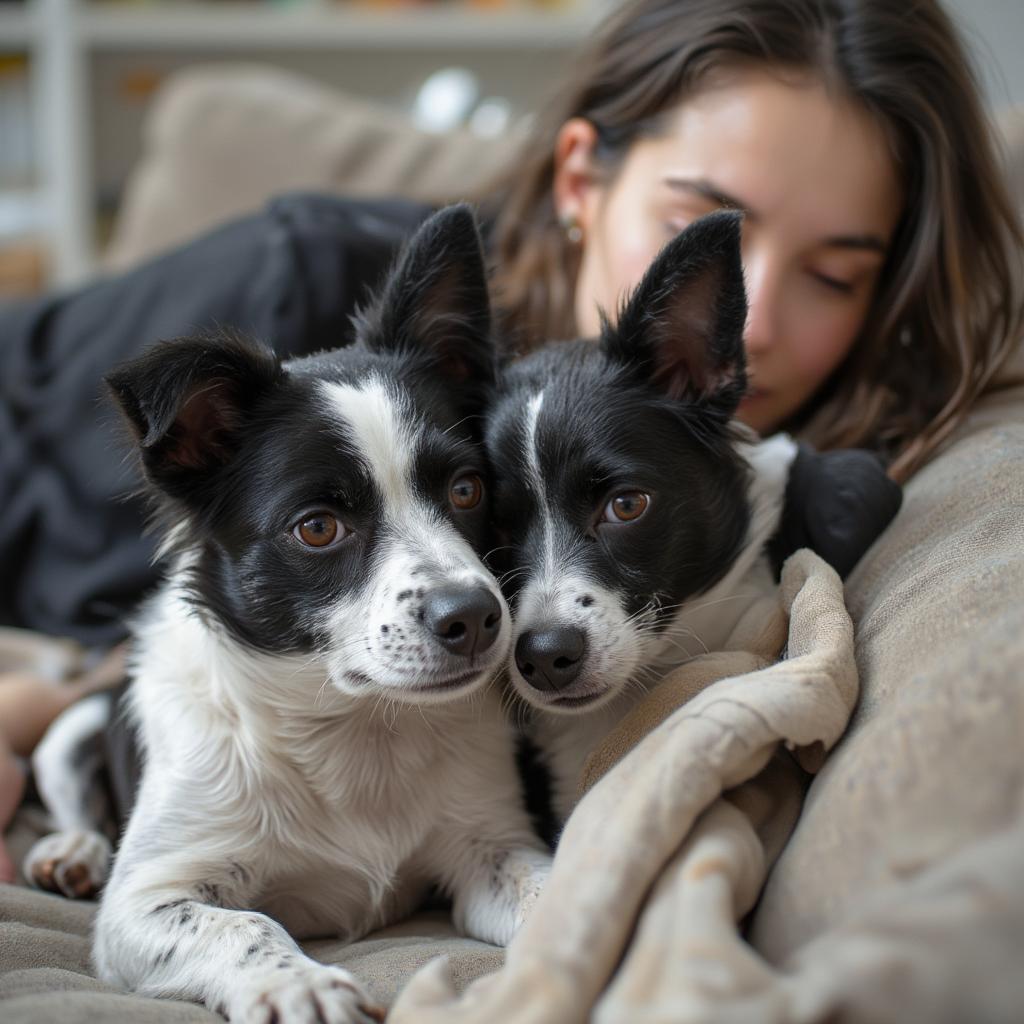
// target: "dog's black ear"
[[681, 330], [186, 402], [435, 301]]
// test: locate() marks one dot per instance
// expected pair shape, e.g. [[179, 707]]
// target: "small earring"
[[571, 226]]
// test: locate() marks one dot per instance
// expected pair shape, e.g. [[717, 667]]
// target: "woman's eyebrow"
[[707, 190], [870, 243]]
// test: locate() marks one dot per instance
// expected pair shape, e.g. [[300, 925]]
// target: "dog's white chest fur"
[[335, 816]]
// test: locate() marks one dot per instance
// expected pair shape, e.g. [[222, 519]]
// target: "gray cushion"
[[931, 762]]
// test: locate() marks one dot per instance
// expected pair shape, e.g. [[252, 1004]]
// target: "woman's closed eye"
[[835, 284], [849, 275]]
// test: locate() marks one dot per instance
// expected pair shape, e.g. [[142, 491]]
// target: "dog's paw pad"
[[314, 992], [74, 864]]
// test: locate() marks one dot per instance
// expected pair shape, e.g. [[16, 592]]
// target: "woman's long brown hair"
[[948, 311]]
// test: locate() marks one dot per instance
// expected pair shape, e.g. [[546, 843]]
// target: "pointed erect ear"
[[186, 402], [681, 330], [435, 301]]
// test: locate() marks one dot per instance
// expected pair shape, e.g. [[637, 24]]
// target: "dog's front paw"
[[73, 863], [307, 994]]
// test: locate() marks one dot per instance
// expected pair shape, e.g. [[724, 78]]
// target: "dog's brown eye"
[[466, 491], [626, 507], [318, 530]]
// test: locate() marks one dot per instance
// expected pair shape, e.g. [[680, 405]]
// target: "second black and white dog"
[[311, 685], [634, 510]]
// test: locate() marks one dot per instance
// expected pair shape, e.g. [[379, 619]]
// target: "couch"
[[900, 891]]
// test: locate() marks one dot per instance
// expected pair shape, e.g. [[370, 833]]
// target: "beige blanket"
[[656, 866]]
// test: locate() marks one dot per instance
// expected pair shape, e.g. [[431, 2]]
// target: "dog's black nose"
[[550, 659], [467, 620]]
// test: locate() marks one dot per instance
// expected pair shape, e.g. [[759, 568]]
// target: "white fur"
[[624, 658], [288, 796], [65, 784], [549, 563], [67, 766], [380, 418]]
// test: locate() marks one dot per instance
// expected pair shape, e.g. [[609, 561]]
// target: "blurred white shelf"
[[67, 39], [23, 212], [17, 27], [247, 27]]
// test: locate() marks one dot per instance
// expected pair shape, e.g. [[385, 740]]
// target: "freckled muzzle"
[[427, 638]]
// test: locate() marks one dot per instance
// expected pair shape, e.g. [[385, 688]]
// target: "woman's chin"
[[755, 411]]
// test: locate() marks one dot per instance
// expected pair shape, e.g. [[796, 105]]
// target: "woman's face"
[[817, 182]]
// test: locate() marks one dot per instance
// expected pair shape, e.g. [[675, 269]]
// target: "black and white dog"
[[634, 510], [311, 685]]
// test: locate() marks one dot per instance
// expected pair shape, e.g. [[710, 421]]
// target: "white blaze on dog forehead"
[[535, 482], [385, 429], [382, 424], [554, 585]]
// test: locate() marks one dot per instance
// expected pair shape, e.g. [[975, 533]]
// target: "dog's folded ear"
[[681, 330], [186, 402], [434, 305]]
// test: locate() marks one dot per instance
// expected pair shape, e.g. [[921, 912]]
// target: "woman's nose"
[[761, 329]]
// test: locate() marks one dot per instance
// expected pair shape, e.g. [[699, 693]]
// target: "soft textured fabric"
[[46, 974], [755, 643], [45, 971], [222, 139], [932, 762]]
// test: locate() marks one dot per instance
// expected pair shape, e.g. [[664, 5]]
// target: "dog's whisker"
[[465, 419], [394, 707], [512, 574], [738, 596], [500, 547], [320, 693]]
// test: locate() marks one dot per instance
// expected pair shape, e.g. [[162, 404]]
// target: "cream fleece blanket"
[[656, 866]]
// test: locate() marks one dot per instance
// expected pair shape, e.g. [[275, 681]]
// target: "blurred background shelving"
[[16, 25], [81, 74], [77, 77]]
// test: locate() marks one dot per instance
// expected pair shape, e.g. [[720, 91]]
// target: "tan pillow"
[[222, 139], [932, 759]]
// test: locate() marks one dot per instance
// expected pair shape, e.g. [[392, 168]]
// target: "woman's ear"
[[576, 188]]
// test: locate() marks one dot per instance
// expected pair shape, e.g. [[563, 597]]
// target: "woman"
[[881, 250]]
